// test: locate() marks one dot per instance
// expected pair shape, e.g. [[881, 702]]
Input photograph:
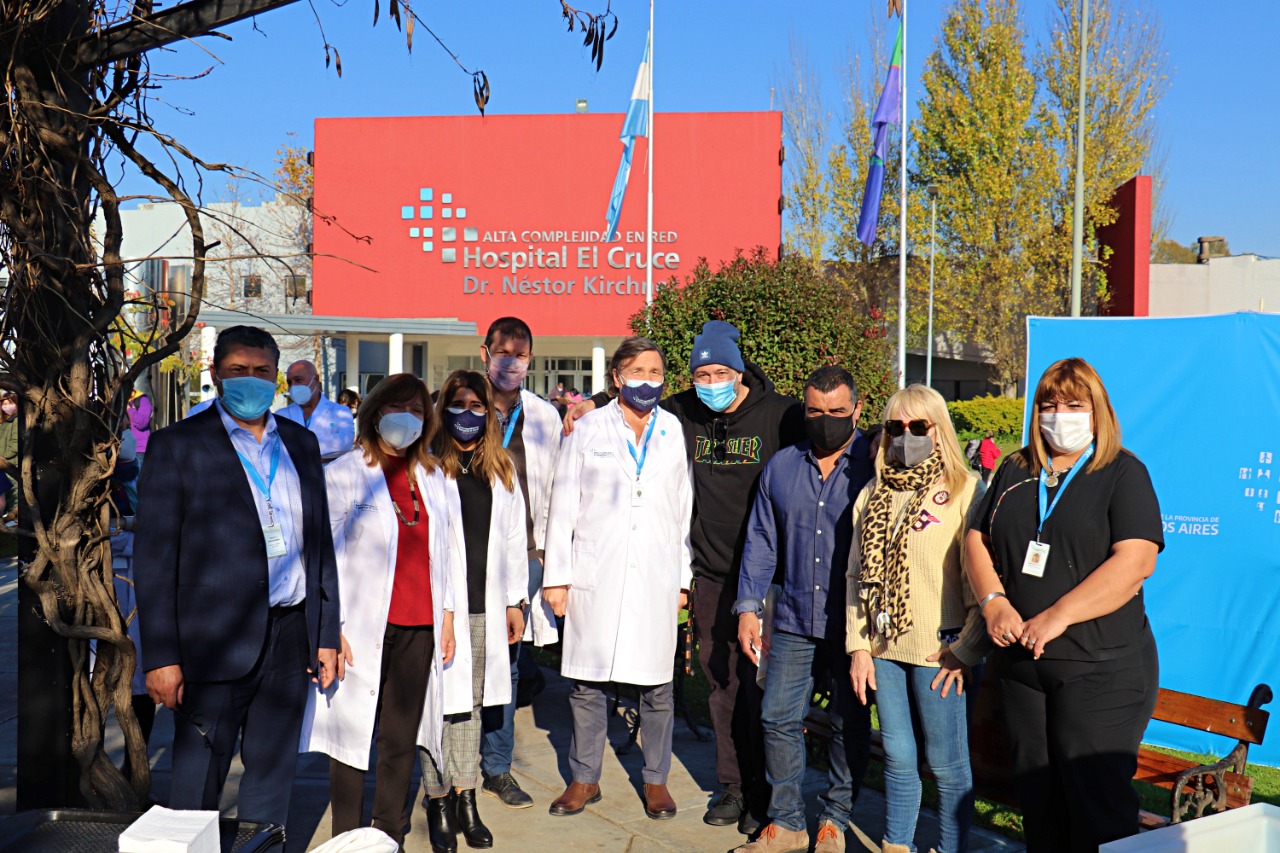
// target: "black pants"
[[402, 691], [264, 708], [1074, 730], [735, 699]]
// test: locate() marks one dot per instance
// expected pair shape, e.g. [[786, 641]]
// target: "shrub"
[[974, 418], [792, 318]]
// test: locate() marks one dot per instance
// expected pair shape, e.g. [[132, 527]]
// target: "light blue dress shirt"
[[286, 574]]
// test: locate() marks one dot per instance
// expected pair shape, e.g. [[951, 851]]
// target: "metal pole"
[[902, 217], [1077, 213], [648, 229], [933, 247]]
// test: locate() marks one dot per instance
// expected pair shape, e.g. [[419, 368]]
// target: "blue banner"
[[1198, 400]]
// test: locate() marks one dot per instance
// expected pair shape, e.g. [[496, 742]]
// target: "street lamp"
[[932, 190], [1077, 207]]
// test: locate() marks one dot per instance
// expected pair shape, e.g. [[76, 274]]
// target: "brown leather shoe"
[[575, 798], [658, 803]]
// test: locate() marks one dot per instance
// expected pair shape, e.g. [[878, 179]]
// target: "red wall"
[[1129, 237], [716, 190]]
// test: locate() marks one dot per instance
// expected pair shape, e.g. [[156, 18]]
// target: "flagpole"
[[648, 230], [902, 217]]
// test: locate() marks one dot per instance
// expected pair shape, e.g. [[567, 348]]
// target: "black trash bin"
[[85, 831]]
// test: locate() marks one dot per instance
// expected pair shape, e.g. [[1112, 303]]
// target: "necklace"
[[466, 466], [413, 494], [1052, 479]]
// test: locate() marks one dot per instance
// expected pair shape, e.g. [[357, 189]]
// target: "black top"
[[520, 460], [1099, 509], [729, 450], [476, 494]]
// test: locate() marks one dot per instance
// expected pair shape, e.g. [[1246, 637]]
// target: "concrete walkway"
[[617, 823]]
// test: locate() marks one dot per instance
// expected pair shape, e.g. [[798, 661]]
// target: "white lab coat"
[[331, 422], [624, 565], [340, 721], [506, 585], [541, 433]]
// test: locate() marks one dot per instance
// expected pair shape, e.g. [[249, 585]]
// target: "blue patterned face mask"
[[717, 395], [641, 394], [247, 397], [463, 424]]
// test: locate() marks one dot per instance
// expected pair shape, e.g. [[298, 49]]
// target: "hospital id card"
[[1037, 559], [637, 494], [274, 537]]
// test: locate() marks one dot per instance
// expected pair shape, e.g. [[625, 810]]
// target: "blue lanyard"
[[511, 424], [644, 448], [265, 488], [1044, 491]]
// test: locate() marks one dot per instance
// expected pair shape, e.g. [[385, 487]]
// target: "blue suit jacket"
[[200, 562]]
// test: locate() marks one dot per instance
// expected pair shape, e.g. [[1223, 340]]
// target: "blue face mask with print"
[[717, 396], [641, 394], [247, 397], [463, 424]]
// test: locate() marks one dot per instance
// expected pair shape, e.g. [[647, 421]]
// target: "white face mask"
[[400, 429], [1067, 432]]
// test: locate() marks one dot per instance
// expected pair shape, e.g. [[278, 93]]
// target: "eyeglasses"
[[720, 435], [894, 429]]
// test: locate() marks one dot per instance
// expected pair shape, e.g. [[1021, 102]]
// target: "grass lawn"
[[994, 816]]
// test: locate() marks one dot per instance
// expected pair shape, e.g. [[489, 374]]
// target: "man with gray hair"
[[332, 423]]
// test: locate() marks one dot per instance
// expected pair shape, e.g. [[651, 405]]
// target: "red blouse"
[[411, 589]]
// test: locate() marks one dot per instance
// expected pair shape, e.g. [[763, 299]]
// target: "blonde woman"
[[1069, 533], [490, 585], [914, 624]]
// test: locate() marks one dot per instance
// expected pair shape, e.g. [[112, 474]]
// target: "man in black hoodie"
[[734, 421]]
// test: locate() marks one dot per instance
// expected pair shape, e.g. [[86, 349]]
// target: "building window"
[[295, 286], [251, 286]]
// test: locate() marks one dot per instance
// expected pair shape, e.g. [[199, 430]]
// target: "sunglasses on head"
[[896, 428]]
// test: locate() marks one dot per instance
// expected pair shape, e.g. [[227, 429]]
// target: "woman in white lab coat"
[[391, 535], [618, 567], [490, 586]]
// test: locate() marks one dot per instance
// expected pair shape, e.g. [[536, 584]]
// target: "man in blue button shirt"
[[802, 523]]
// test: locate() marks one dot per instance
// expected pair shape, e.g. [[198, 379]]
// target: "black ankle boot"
[[473, 830], [441, 825]]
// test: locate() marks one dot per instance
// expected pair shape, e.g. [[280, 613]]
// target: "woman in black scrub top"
[[1069, 531]]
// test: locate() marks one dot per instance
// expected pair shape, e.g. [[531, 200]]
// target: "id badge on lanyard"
[[637, 488], [1037, 559], [272, 533]]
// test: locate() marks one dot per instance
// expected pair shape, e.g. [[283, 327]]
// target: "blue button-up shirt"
[[801, 529], [286, 574]]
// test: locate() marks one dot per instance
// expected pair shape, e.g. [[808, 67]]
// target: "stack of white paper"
[[163, 830]]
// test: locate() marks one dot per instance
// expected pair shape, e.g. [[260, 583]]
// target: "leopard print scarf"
[[885, 582]]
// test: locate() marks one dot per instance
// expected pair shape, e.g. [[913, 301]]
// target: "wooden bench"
[[1193, 788]]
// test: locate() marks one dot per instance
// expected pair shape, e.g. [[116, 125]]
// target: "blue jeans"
[[498, 722], [906, 704], [793, 662]]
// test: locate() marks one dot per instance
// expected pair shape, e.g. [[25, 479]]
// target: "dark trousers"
[[402, 691], [264, 708], [735, 699], [1074, 730]]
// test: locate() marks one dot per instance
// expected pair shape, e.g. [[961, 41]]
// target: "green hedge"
[[976, 417]]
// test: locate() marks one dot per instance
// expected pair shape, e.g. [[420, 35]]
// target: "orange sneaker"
[[777, 839], [830, 838]]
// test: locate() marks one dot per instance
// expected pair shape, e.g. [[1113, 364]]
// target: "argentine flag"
[[635, 124]]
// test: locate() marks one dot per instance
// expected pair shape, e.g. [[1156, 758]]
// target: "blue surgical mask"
[[463, 424], [248, 397], [300, 394], [641, 394], [717, 395]]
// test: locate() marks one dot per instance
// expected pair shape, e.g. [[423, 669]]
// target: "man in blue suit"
[[237, 584]]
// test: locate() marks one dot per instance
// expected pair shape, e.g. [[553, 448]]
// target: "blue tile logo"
[[423, 216]]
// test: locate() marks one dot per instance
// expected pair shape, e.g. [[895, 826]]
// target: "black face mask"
[[828, 432]]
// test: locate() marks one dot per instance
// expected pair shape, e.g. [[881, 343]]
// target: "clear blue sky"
[[1220, 118]]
